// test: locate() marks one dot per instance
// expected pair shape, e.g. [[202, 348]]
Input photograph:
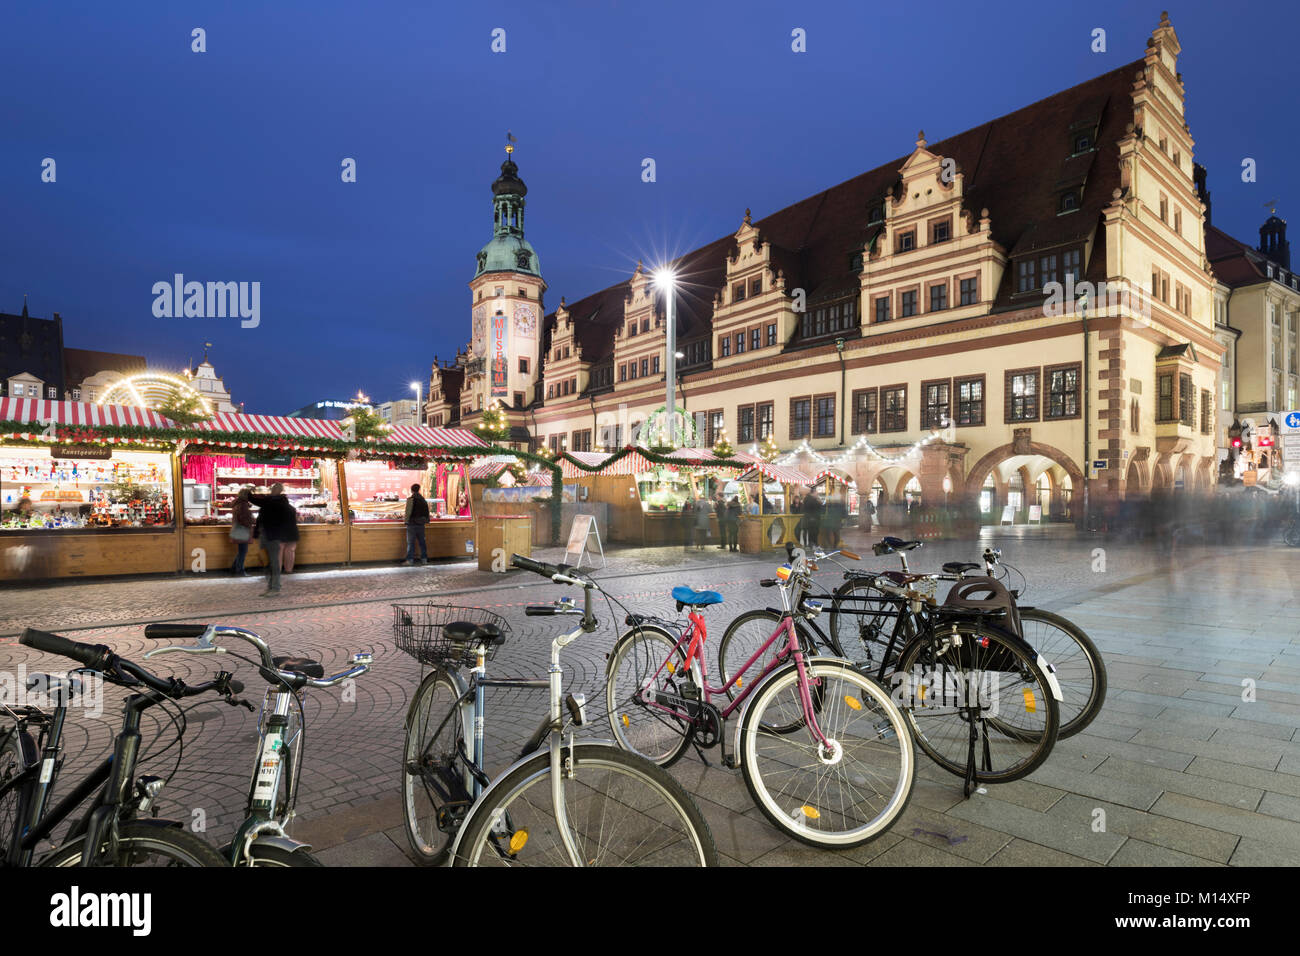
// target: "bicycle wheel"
[[433, 771], [742, 639], [646, 661], [861, 622], [17, 753], [146, 844], [1076, 661], [621, 809], [278, 856], [841, 796], [983, 678]]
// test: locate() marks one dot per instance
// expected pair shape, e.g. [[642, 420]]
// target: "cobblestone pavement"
[[1186, 769]]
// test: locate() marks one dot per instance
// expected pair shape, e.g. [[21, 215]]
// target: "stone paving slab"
[[1184, 769]]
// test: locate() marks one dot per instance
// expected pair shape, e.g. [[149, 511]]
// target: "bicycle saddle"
[[463, 632], [891, 544], [300, 665], [693, 598], [959, 567]]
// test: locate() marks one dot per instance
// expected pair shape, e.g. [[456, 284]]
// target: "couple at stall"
[[276, 527]]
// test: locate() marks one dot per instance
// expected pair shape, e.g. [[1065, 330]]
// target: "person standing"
[[812, 518], [687, 522], [733, 523], [833, 516], [241, 530], [277, 523], [417, 516], [701, 523], [720, 515], [868, 513], [289, 546]]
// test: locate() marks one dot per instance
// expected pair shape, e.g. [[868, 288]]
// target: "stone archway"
[[1029, 459]]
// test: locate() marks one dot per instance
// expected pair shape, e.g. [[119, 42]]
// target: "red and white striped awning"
[[537, 479], [36, 411], [781, 473], [486, 468], [300, 431], [707, 455], [834, 475], [633, 463], [426, 436]]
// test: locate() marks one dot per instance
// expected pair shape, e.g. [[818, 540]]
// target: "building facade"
[[1019, 314], [1257, 304]]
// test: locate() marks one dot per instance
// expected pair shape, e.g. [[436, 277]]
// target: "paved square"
[[1194, 760]]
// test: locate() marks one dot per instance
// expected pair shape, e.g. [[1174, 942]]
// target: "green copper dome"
[[508, 251]]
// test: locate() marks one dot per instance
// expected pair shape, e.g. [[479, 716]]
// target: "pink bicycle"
[[825, 752]]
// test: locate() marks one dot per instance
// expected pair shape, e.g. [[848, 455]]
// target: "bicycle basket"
[[418, 630]]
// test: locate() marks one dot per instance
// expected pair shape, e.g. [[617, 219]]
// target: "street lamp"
[[666, 280], [419, 410]]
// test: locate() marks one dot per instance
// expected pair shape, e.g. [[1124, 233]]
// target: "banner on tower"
[[497, 357]]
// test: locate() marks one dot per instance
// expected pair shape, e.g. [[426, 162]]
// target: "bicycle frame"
[[113, 777], [694, 653], [552, 724]]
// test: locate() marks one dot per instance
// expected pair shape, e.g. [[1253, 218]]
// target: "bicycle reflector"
[[783, 573], [518, 841]]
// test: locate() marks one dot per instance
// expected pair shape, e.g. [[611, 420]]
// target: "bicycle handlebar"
[[207, 632], [98, 657]]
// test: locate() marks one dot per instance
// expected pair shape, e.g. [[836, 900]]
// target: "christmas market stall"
[[772, 489], [610, 479], [229, 452], [85, 490], [377, 483]]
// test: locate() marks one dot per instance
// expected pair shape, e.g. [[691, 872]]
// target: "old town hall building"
[[999, 315]]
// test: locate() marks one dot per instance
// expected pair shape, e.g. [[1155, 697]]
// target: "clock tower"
[[507, 309]]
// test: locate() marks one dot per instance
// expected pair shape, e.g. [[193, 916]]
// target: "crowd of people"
[[820, 522]]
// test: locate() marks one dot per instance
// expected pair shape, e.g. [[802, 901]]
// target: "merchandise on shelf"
[[129, 490]]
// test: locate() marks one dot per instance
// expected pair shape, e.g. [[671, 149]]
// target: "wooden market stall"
[[232, 451], [376, 490], [90, 490], [85, 490], [610, 479], [774, 524]]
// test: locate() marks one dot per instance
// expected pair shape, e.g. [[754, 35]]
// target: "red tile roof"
[[1015, 166]]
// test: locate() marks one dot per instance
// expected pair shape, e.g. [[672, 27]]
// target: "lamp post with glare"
[[419, 409], [666, 281]]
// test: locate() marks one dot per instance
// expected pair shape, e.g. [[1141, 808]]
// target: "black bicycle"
[[116, 829], [860, 619], [979, 700]]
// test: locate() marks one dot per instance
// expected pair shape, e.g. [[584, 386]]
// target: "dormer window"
[[875, 214], [1069, 201], [1082, 142]]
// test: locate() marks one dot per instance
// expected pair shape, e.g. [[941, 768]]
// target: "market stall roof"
[[539, 478], [835, 474], [426, 436], [486, 468], [781, 473], [300, 432], [632, 463], [707, 455], [35, 411]]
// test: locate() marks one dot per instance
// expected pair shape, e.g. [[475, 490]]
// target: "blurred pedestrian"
[[732, 538], [686, 522], [277, 523], [241, 530], [701, 523]]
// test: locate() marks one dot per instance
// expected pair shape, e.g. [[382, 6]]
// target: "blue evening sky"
[[225, 165]]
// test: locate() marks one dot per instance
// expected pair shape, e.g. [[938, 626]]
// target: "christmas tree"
[[723, 447], [767, 449], [495, 424]]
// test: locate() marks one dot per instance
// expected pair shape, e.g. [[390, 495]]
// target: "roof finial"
[[920, 139], [510, 141], [748, 221]]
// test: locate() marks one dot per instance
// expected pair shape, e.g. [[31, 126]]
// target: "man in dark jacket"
[[733, 523], [417, 516], [277, 523], [812, 518]]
